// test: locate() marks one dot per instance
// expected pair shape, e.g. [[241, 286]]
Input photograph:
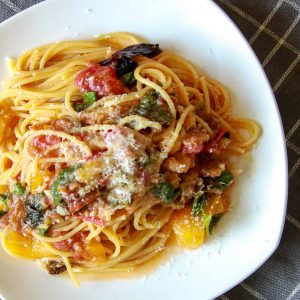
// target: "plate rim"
[[274, 103]]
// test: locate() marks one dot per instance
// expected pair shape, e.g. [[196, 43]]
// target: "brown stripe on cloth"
[[272, 28]]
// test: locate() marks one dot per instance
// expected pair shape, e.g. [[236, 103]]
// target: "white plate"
[[247, 236]]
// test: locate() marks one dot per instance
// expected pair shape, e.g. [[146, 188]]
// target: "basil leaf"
[[224, 180], [3, 205], [214, 220], [148, 50], [43, 229], [18, 189], [88, 99], [63, 178], [207, 221], [3, 197], [198, 203], [166, 192], [128, 78], [150, 108]]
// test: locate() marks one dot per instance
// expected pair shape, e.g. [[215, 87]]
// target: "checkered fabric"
[[272, 28]]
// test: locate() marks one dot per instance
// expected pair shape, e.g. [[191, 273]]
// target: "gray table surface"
[[272, 28]]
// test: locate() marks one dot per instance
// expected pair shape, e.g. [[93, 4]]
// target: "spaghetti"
[[107, 147]]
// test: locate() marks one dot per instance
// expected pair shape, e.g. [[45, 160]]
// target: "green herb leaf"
[[88, 99], [224, 180], [3, 205], [3, 197], [128, 78], [199, 207], [64, 177], [214, 220], [209, 221], [18, 189], [206, 222], [166, 192], [150, 108], [43, 229], [198, 203]]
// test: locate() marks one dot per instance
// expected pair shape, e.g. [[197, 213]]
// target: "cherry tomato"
[[100, 79]]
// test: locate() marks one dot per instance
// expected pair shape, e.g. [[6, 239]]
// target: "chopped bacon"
[[96, 154], [97, 221], [212, 121], [39, 126], [74, 244], [4, 221], [79, 136], [189, 185], [75, 205], [63, 124], [63, 245], [42, 142], [212, 169], [19, 176], [141, 175], [208, 166], [194, 140], [112, 136], [214, 145], [100, 79], [80, 253], [16, 214], [90, 118]]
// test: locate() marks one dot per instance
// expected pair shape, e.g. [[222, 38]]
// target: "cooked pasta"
[[107, 147]]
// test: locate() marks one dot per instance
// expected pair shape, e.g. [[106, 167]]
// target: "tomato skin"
[[75, 244], [42, 142], [100, 79], [141, 175], [63, 245], [97, 221]]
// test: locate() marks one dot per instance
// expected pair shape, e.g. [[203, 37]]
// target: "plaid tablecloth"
[[272, 28]]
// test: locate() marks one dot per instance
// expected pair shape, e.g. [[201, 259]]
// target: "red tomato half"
[[100, 79]]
